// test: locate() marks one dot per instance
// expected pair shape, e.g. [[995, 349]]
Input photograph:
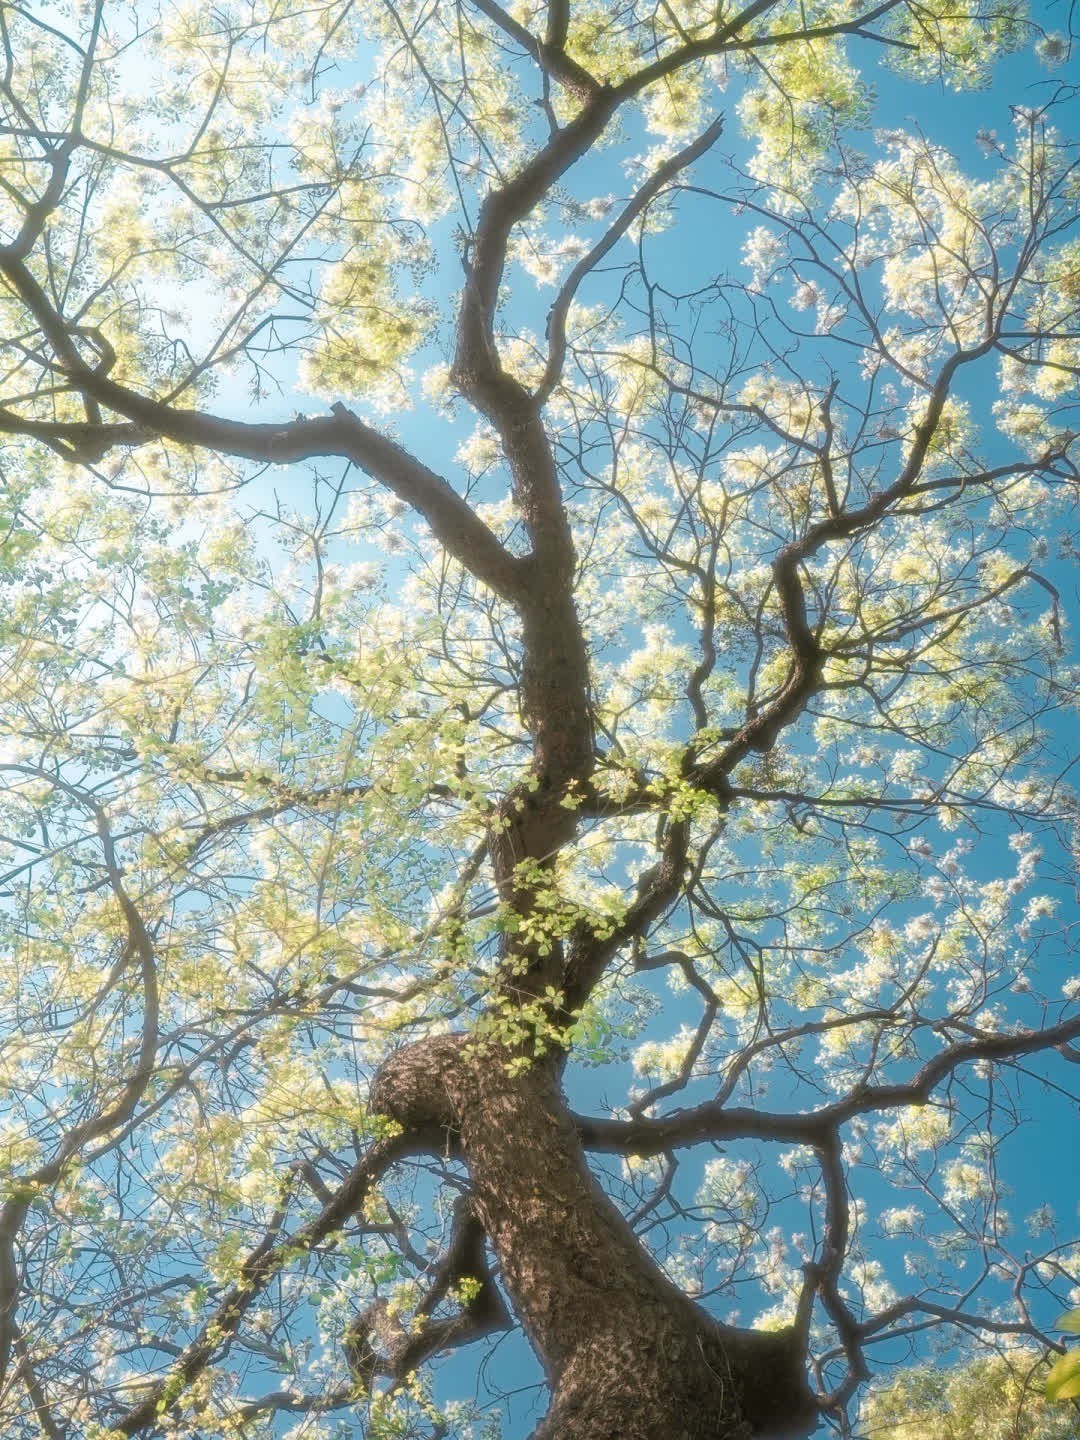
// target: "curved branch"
[[269, 1257], [481, 1313], [710, 1122], [556, 322], [549, 53], [452, 520], [807, 658], [138, 947]]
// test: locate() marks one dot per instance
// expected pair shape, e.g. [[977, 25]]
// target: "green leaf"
[[1063, 1382], [1070, 1321]]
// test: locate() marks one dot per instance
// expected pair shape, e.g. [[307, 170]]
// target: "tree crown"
[[640, 651]]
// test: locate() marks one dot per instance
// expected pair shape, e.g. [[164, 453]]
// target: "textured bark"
[[628, 1356]]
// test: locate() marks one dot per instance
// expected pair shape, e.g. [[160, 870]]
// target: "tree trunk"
[[628, 1356]]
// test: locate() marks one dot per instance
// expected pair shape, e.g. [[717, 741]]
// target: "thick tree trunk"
[[628, 1356]]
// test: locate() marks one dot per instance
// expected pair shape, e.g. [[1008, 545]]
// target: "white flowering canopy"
[[536, 554]]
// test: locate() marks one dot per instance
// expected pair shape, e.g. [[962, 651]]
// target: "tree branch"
[[481, 1313], [556, 322], [711, 1122], [258, 1269], [452, 520], [549, 53]]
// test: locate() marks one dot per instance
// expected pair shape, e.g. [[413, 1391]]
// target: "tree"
[[667, 690]]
